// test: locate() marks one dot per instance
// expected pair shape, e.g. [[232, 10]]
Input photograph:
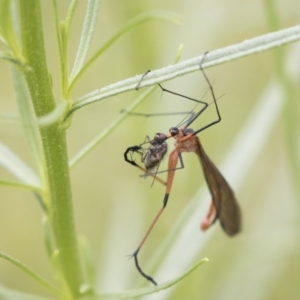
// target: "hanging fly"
[[224, 205]]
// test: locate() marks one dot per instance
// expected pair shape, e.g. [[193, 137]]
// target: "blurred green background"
[[113, 206]]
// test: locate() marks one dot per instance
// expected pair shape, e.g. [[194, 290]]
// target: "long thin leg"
[[154, 175], [176, 94], [156, 114], [180, 95], [138, 85], [194, 117], [135, 254], [215, 101], [173, 158]]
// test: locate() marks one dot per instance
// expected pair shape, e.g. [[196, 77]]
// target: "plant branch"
[[216, 57]]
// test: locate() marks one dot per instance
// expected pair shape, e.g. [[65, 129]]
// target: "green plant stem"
[[53, 138]]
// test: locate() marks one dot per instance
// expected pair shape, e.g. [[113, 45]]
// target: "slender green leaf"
[[28, 118], [20, 185], [6, 294], [178, 54], [55, 116], [149, 290], [86, 35], [17, 167], [8, 31], [64, 34], [36, 277], [89, 265], [216, 57], [7, 56], [291, 115], [48, 239], [70, 15], [134, 22], [62, 51]]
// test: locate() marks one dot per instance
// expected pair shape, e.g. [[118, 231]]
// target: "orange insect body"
[[224, 205]]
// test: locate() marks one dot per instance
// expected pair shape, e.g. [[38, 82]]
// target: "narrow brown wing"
[[228, 210]]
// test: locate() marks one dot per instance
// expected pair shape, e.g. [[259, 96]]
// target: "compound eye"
[[160, 137], [173, 131], [187, 131]]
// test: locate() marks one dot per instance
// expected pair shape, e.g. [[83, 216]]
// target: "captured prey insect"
[[224, 205], [151, 157]]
